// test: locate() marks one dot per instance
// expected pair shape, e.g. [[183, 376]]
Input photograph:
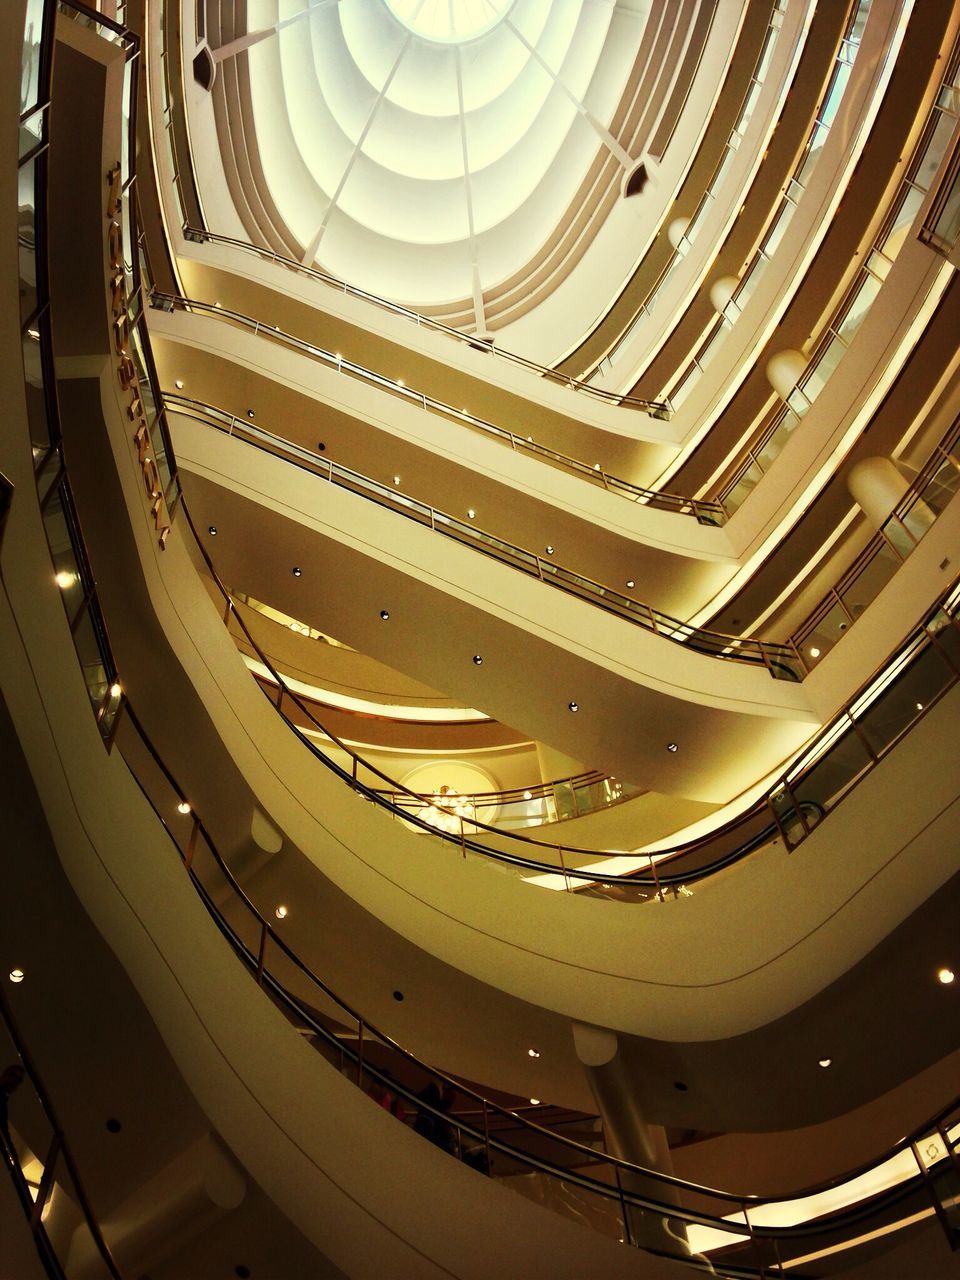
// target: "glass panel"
[[750, 102], [680, 392], [858, 308], [33, 389], [819, 375], [941, 486], [949, 98], [907, 210], [831, 777], [26, 240], [827, 632], [87, 644], [834, 95], [771, 447], [903, 701], [947, 226], [743, 487], [777, 231], [30, 66], [818, 137], [871, 580], [32, 131], [929, 162]]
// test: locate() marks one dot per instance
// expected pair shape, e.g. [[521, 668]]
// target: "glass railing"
[[854, 307], [779, 660], [928, 496], [683, 382], [746, 1227], [704, 512]]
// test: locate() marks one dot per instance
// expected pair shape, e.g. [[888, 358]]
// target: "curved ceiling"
[[415, 145]]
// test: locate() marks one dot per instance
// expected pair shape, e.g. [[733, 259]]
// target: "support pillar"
[[877, 487]]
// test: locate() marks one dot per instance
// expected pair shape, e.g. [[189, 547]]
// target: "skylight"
[[449, 21]]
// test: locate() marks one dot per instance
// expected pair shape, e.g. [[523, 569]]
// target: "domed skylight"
[[449, 20]]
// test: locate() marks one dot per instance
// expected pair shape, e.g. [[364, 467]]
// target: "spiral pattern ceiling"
[[429, 149]]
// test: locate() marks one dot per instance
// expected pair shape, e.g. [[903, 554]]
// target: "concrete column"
[[784, 371], [631, 1137], [877, 486], [159, 1217]]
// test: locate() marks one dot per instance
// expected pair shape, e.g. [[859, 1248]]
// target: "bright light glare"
[[448, 22]]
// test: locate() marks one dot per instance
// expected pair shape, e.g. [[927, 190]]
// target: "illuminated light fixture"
[[65, 579], [115, 690], [596, 466], [549, 549], [34, 334], [212, 530], [529, 439], [528, 795], [535, 1102], [533, 1053], [573, 706], [446, 810], [281, 912], [672, 747], [478, 659], [384, 615], [814, 652], [16, 975], [631, 584], [919, 706], [179, 384], [824, 1062], [251, 414], [396, 479], [470, 512], [218, 304], [401, 383], [183, 807], [945, 976], [297, 571]]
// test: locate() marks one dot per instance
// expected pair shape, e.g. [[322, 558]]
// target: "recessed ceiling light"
[[337, 355], [16, 975], [251, 414], [535, 1102], [528, 795], [824, 1062], [814, 652], [470, 512], [398, 996], [218, 303], [549, 550], [115, 690], [672, 747], [321, 447], [296, 571], [680, 1086], [179, 384], [384, 615], [529, 439], [65, 579], [945, 975], [113, 1125], [573, 706], [630, 583], [478, 659], [281, 912], [533, 1053], [596, 466], [401, 383], [212, 530], [919, 706], [183, 807], [396, 479]]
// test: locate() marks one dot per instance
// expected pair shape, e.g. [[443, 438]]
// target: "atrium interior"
[[480, 639]]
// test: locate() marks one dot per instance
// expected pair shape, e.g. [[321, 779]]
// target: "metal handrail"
[[656, 408], [703, 510], [781, 661]]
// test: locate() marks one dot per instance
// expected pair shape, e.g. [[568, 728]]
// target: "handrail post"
[[359, 1054], [262, 952], [191, 843], [486, 1137], [226, 613], [463, 845], [46, 1181], [627, 1233], [563, 868]]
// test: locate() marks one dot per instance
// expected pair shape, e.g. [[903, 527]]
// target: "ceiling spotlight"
[[296, 571], [919, 706], [16, 975], [535, 1102], [549, 550], [218, 303], [596, 466], [573, 706], [814, 652], [631, 584], [945, 976], [401, 383], [251, 414], [65, 579], [533, 1053], [528, 795], [478, 659], [183, 807], [396, 479], [321, 447], [824, 1062], [115, 690], [384, 615], [281, 912], [470, 512], [212, 530], [672, 747], [179, 384]]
